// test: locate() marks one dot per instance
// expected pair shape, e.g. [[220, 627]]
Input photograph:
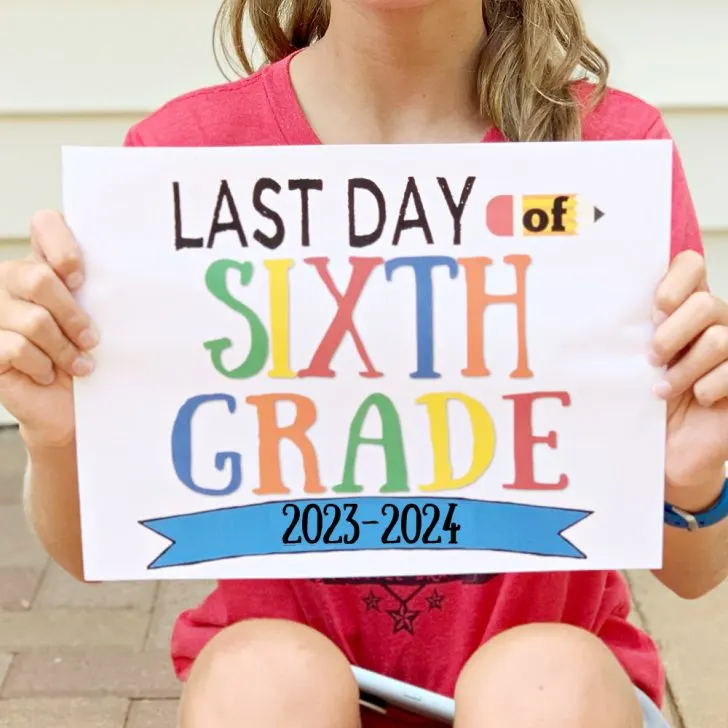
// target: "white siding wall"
[[82, 71]]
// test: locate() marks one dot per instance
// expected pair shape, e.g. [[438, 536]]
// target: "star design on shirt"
[[371, 601], [404, 618], [435, 600]]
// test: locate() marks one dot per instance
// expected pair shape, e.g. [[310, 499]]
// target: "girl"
[[517, 650]]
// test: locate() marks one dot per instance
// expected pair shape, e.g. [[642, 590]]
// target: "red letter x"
[[342, 322]]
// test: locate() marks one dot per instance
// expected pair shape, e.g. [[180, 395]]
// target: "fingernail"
[[82, 366], [662, 389], [48, 379], [659, 317], [88, 339], [74, 281]]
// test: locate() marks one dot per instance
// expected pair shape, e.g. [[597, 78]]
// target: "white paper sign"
[[370, 361]]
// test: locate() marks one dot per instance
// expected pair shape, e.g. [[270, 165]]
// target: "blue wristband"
[[679, 518]]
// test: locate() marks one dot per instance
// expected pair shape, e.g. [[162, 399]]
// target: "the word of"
[[542, 215]]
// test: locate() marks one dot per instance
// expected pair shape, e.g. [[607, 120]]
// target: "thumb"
[[37, 407], [17, 393]]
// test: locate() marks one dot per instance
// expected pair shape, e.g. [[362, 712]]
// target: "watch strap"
[[679, 518]]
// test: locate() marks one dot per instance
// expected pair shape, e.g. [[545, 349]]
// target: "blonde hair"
[[532, 51]]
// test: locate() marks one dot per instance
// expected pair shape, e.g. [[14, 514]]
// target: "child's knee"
[[256, 669], [546, 668]]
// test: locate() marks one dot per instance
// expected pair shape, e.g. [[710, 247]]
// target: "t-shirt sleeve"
[[685, 227], [133, 138]]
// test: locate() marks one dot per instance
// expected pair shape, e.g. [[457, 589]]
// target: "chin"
[[390, 4]]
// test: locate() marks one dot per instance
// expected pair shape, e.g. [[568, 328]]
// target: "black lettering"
[[435, 511], [393, 523], [269, 241], [180, 241], [407, 534], [306, 525], [350, 509], [535, 220], [331, 530], [412, 193], [456, 210], [557, 214], [304, 186], [225, 196], [295, 517], [362, 240], [450, 525]]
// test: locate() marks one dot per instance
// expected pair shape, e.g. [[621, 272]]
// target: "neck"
[[394, 75]]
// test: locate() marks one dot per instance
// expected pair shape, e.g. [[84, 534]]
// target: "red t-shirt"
[[418, 630]]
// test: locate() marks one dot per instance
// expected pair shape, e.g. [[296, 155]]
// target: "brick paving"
[[96, 656]]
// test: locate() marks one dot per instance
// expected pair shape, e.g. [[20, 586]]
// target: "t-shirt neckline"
[[289, 114]]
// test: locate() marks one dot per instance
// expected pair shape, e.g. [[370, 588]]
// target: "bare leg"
[[545, 676], [270, 674]]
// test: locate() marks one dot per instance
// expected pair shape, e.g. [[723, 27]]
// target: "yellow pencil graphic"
[[550, 215], [544, 215]]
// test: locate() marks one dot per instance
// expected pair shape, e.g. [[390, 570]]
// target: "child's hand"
[[43, 333], [691, 339]]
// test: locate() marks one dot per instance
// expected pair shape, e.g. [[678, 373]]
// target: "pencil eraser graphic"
[[499, 215]]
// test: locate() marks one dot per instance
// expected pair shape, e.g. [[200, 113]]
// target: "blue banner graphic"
[[365, 524]]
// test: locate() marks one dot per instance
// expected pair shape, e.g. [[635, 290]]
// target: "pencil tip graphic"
[[598, 214]]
